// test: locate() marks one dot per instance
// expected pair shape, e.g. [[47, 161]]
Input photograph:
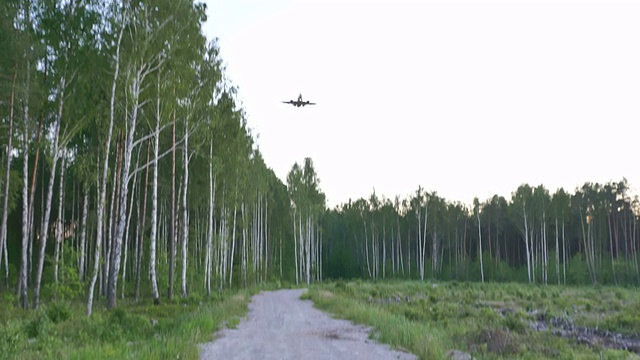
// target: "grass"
[[171, 330], [489, 321]]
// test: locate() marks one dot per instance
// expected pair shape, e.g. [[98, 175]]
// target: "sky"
[[467, 99]]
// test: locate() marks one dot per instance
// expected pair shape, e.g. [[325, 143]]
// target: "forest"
[[129, 172]]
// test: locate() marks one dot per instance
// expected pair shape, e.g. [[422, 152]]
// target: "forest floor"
[[280, 325]]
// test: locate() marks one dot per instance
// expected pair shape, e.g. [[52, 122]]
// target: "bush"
[[58, 312], [130, 326], [39, 326], [515, 322], [11, 335]]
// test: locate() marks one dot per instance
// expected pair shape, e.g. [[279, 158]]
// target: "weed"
[[515, 322], [11, 338], [233, 323], [490, 320], [58, 311], [39, 325]]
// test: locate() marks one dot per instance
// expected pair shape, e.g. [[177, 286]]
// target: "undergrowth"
[[171, 330]]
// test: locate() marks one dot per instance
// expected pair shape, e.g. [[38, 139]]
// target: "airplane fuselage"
[[299, 102]]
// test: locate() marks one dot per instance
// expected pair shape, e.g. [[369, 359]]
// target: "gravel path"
[[281, 326]]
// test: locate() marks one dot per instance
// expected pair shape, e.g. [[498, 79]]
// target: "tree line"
[[586, 237]]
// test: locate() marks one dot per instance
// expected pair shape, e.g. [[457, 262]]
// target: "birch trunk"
[[301, 245], [266, 238], [5, 198], [295, 247], [114, 269], [154, 211], [44, 230], [141, 226], [419, 216], [480, 246], [309, 247], [185, 213], [127, 232], [366, 249], [59, 224], [172, 236], [103, 184], [526, 242], [83, 234], [399, 242], [108, 239], [233, 238], [210, 229], [434, 251], [384, 249], [545, 249], [557, 254], [564, 255], [243, 256], [22, 283]]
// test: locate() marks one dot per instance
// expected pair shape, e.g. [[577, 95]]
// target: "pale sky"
[[463, 98]]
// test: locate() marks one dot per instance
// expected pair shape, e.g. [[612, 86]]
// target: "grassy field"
[[132, 331], [491, 321]]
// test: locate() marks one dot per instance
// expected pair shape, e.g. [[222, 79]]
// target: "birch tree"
[[103, 175]]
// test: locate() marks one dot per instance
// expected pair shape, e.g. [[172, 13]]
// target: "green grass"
[[490, 321], [171, 330]]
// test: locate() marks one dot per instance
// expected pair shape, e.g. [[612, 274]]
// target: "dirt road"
[[281, 326]]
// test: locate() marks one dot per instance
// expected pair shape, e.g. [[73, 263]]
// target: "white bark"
[[83, 233], [308, 249], [557, 254], [154, 204], [545, 249], [210, 229], [114, 269], [564, 254], [399, 244], [266, 238], [295, 246], [22, 286], [243, 267], [233, 238], [127, 232], [434, 251], [185, 213], [480, 245], [26, 208], [366, 250], [5, 193], [44, 230], [59, 223], [103, 183], [526, 242], [108, 239]]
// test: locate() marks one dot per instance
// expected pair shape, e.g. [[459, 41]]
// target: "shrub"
[[515, 322], [58, 312], [39, 326], [11, 335], [130, 325]]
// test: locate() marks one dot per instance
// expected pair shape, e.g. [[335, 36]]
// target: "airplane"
[[299, 102]]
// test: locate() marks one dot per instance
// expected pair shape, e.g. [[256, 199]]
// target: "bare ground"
[[281, 326]]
